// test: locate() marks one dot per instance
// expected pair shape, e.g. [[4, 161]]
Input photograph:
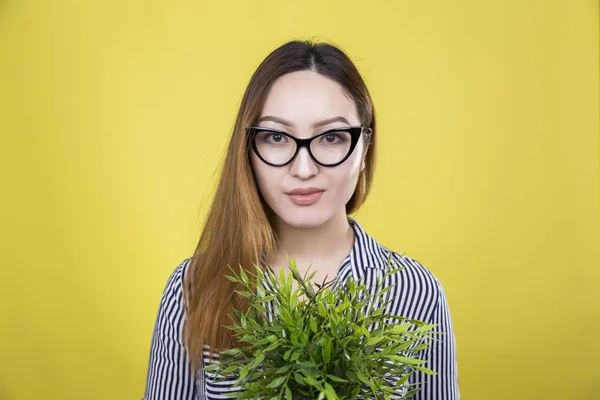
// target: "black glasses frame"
[[354, 132]]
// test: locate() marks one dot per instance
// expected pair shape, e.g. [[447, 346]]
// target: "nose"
[[303, 166]]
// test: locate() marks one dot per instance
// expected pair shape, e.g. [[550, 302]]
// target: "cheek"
[[344, 179], [354, 167], [264, 175], [355, 162]]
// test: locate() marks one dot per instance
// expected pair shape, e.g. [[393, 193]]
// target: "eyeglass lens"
[[276, 148]]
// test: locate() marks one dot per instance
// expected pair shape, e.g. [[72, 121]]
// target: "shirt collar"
[[366, 251]]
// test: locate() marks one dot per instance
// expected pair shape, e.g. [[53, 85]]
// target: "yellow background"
[[114, 116]]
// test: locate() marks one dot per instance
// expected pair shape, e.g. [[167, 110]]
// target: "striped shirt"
[[417, 294]]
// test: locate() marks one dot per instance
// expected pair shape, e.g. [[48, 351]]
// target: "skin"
[[318, 234]]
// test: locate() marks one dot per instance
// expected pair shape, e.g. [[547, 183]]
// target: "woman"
[[300, 159]]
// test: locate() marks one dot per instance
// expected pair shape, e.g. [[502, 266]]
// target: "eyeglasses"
[[330, 148]]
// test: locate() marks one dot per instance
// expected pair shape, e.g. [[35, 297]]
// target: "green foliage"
[[337, 343]]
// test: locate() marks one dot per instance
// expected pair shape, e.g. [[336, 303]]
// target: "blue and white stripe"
[[417, 294]]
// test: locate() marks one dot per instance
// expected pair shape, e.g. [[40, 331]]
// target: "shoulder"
[[174, 286], [411, 268], [418, 290]]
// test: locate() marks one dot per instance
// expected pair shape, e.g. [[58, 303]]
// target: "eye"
[[275, 138], [334, 138]]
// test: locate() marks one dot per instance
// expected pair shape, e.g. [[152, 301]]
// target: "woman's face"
[[300, 100]]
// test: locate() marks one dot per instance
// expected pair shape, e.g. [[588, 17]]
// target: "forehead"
[[303, 97]]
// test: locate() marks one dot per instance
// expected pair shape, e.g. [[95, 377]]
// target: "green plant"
[[337, 343]]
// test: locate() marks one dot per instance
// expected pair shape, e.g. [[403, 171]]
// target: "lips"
[[305, 199], [305, 191]]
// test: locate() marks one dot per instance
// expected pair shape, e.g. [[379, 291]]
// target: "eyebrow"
[[315, 125]]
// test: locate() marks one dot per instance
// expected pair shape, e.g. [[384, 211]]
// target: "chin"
[[303, 218]]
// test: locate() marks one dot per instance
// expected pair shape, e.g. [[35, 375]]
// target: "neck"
[[323, 242]]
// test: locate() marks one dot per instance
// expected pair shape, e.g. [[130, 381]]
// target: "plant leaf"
[[425, 370], [336, 378], [276, 382], [329, 392]]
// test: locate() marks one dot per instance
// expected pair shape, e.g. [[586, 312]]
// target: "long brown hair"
[[238, 228]]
